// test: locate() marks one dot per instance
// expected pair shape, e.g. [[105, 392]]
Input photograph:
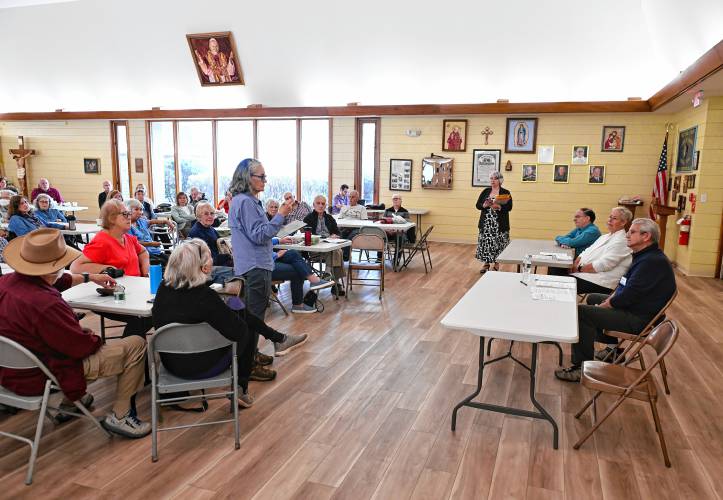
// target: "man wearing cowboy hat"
[[36, 316]]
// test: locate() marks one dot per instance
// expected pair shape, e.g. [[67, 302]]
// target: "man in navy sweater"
[[640, 295]]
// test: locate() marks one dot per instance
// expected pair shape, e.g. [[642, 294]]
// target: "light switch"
[[703, 197]]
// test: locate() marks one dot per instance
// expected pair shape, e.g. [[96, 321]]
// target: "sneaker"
[[262, 374], [338, 291], [303, 309], [245, 400], [569, 374], [263, 359], [127, 426], [321, 284], [288, 345], [608, 354], [86, 401]]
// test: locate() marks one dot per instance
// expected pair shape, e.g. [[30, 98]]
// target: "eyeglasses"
[[127, 215], [262, 177]]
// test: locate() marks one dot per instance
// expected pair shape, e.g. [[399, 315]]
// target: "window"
[[234, 142], [121, 167], [294, 153], [277, 152], [314, 159], [195, 157], [366, 175], [163, 163]]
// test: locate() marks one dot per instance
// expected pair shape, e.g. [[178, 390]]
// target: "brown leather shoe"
[[262, 359], [262, 374]]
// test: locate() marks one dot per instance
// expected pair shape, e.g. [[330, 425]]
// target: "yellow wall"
[[541, 209], [60, 148]]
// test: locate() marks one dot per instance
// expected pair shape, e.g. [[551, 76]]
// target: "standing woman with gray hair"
[[495, 204], [251, 234]]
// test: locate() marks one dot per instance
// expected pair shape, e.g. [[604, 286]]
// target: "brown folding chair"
[[421, 246], [369, 242], [645, 331], [626, 382]]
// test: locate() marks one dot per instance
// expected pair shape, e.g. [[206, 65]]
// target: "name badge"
[[623, 281]]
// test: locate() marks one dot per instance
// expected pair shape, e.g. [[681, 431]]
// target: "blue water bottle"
[[156, 276]]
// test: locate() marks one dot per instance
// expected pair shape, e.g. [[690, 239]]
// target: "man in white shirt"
[[353, 210], [600, 266]]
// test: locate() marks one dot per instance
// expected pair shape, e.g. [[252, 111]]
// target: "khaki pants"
[[125, 358]]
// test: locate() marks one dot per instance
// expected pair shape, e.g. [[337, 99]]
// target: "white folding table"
[[397, 229], [515, 253], [500, 306]]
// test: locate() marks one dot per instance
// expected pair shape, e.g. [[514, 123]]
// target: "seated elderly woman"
[[600, 266], [115, 195], [147, 208], [49, 217], [114, 247], [183, 214], [20, 220], [140, 228], [5, 195], [204, 230], [272, 208]]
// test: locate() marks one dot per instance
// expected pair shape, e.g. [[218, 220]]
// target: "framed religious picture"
[[676, 183], [529, 172], [484, 162], [580, 155], [454, 135], [91, 165], [596, 174], [400, 175], [437, 172], [521, 135], [546, 155], [561, 173], [686, 150], [613, 139], [214, 56]]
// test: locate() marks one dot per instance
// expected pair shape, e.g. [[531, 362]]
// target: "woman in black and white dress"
[[494, 222]]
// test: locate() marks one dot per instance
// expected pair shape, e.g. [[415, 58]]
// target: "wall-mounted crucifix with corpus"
[[20, 155]]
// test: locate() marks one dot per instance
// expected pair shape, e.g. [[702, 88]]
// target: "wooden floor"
[[363, 411]]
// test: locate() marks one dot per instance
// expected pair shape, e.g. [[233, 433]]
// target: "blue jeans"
[[258, 284], [292, 266]]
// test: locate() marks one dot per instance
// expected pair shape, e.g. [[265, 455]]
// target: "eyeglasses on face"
[[262, 177], [127, 215]]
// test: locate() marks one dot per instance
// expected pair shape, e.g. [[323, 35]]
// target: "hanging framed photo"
[[686, 150], [91, 165], [597, 174], [521, 135], [580, 155], [484, 162], [529, 173], [214, 57], [613, 139], [454, 135], [400, 175], [561, 174], [437, 172], [546, 155]]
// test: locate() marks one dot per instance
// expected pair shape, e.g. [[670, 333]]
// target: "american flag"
[[660, 188]]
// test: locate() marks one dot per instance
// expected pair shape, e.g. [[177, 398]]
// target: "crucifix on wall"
[[20, 155], [487, 132]]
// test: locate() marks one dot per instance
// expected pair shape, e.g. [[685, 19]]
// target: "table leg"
[[469, 398], [537, 405]]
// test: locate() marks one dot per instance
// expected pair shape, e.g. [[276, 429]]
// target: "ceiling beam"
[[707, 65], [351, 111]]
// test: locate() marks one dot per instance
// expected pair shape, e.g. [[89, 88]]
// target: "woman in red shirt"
[[114, 247]]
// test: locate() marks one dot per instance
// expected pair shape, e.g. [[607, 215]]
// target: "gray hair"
[[203, 204], [41, 196], [241, 180], [133, 203], [269, 202], [353, 191], [496, 174], [184, 264], [648, 226], [7, 193], [624, 213], [319, 197], [397, 195]]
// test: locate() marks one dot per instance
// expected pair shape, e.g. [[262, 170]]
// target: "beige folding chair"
[[626, 382], [368, 242], [15, 356], [177, 338], [421, 246], [633, 338]]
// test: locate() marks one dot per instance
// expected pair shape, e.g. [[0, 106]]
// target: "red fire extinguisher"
[[684, 231]]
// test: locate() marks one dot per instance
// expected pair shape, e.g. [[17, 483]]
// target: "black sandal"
[[484, 269]]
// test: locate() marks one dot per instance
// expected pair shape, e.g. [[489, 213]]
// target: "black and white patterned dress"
[[491, 241]]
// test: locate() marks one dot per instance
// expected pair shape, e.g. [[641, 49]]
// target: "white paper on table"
[[290, 228], [333, 240], [555, 284], [553, 294], [555, 255]]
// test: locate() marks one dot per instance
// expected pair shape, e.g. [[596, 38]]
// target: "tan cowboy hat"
[[40, 252]]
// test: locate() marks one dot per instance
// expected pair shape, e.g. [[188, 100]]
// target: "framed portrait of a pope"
[[215, 59]]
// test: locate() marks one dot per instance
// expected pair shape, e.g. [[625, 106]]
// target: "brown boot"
[[262, 374], [263, 359]]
